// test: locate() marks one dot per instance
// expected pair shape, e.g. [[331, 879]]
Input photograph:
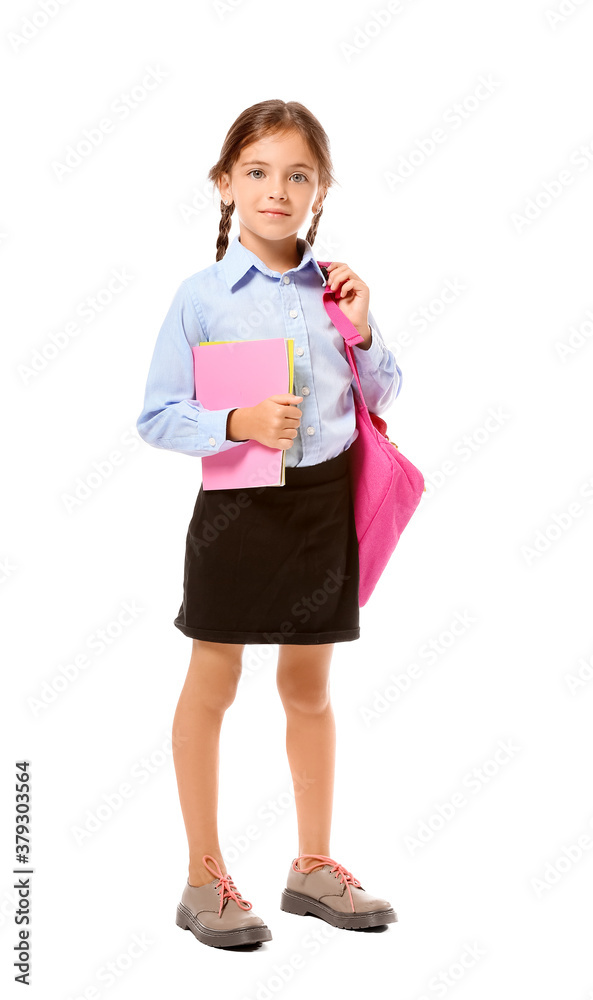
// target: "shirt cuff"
[[371, 359], [212, 431]]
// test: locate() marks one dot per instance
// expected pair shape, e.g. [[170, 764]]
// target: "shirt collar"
[[238, 260]]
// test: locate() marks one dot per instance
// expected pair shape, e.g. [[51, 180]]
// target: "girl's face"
[[275, 173]]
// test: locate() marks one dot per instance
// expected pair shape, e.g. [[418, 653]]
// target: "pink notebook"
[[242, 373]]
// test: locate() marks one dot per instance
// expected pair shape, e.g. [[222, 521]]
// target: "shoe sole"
[[220, 939], [296, 902]]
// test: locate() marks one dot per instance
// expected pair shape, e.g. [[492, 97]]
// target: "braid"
[[313, 227], [222, 242]]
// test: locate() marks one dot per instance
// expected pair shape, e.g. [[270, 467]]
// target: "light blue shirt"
[[239, 297]]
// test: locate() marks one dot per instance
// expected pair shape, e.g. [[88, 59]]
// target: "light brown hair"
[[264, 119]]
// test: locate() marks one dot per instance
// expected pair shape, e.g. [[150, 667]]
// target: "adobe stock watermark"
[[88, 309], [578, 335], [560, 14], [474, 781], [112, 972], [466, 448], [7, 570], [212, 528], [378, 20], [86, 485], [307, 606], [9, 902], [445, 979], [225, 7], [201, 200], [426, 315], [110, 803], [261, 319], [454, 118], [325, 248], [267, 815], [91, 138], [551, 190], [95, 644], [256, 656], [429, 653], [375, 25], [557, 526], [282, 973], [563, 862], [32, 24], [580, 676]]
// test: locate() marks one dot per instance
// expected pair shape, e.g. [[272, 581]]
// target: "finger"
[[348, 287], [341, 275], [336, 268], [334, 283], [345, 288]]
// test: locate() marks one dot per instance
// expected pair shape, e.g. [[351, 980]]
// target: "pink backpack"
[[386, 487]]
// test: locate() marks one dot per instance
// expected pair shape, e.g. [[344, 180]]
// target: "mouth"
[[275, 215]]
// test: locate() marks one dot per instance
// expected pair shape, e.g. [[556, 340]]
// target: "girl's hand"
[[274, 421], [352, 297]]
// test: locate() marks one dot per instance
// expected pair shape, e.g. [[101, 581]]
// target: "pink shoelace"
[[228, 889], [338, 870]]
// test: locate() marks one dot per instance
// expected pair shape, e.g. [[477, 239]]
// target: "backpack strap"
[[345, 327], [338, 318]]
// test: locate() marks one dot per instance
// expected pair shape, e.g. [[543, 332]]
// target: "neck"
[[277, 255]]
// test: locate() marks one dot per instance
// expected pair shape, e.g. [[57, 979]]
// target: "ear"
[[224, 187], [321, 195]]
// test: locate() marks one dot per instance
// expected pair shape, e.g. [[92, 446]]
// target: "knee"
[[218, 698], [216, 669], [306, 699]]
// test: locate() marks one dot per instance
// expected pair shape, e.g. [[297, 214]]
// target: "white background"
[[493, 875]]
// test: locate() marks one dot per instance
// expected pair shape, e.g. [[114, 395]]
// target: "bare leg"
[[210, 687], [303, 685]]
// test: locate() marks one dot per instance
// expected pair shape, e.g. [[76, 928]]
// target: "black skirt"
[[274, 564]]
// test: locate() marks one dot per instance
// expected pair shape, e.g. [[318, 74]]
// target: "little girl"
[[269, 564]]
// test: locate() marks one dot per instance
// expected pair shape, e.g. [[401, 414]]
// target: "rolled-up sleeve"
[[380, 375], [172, 417]]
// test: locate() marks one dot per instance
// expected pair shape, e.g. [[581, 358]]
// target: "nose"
[[277, 190]]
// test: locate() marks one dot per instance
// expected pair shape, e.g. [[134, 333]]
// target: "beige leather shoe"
[[332, 893], [215, 912]]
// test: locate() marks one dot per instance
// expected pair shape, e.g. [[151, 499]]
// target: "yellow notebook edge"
[[289, 341]]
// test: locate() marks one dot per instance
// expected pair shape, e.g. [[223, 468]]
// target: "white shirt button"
[[293, 314], [310, 430], [305, 390], [211, 440], [286, 279], [300, 351]]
